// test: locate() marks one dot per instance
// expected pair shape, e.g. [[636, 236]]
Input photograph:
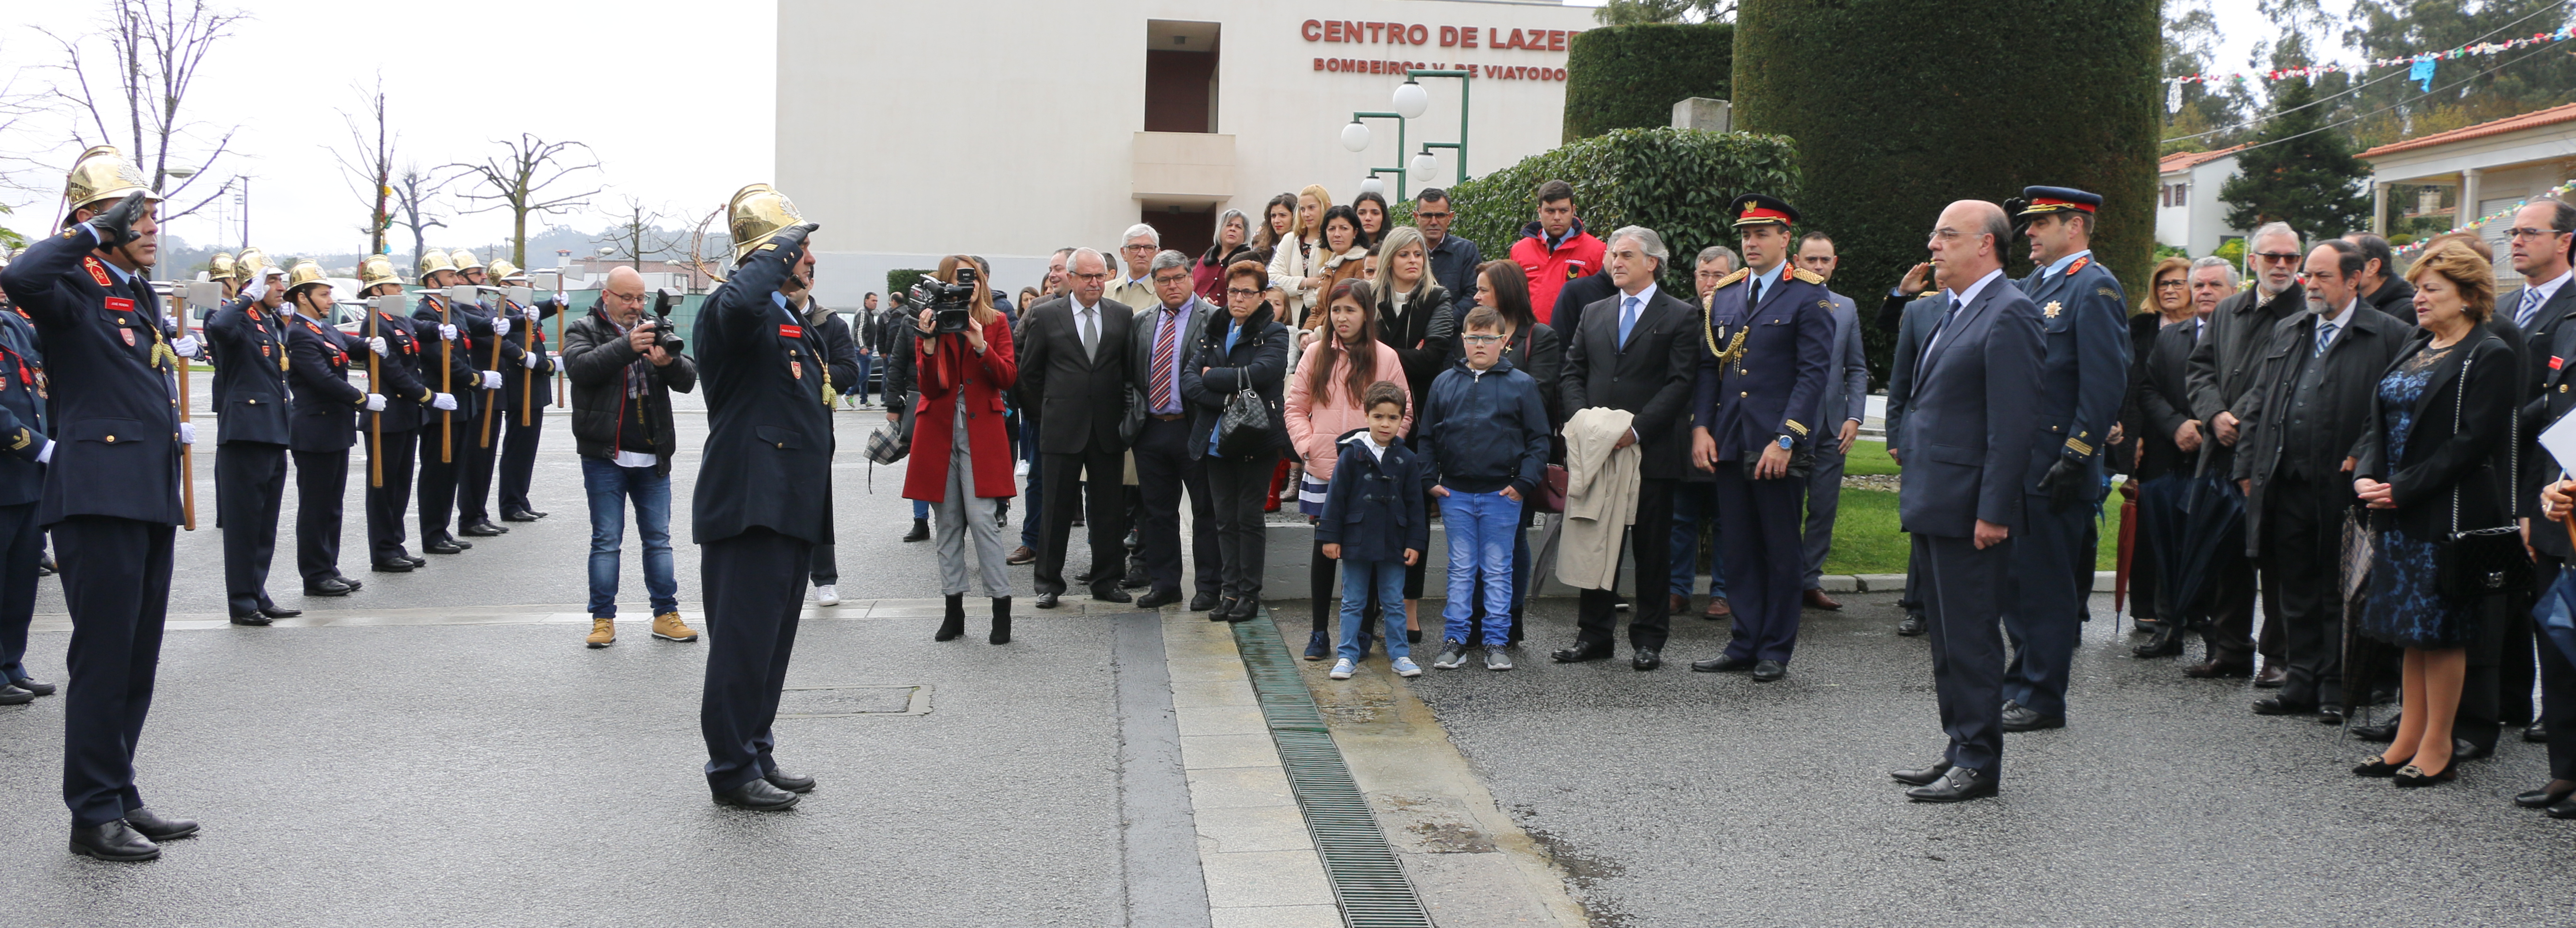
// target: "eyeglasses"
[[1078, 275], [1483, 339], [1137, 248], [2531, 233], [2277, 257], [2164, 284], [1425, 214], [1241, 292]]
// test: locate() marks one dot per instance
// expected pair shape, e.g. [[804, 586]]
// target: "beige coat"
[[1600, 500]]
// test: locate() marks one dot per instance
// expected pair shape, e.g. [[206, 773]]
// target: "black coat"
[[250, 375], [1651, 377], [2396, 298], [325, 404], [840, 352], [2163, 401], [2223, 364], [22, 425], [1080, 400], [768, 458], [596, 358], [517, 378], [1567, 315], [2469, 453], [110, 396], [462, 377], [397, 373], [2143, 329], [2556, 394], [2339, 407], [1374, 508], [1259, 361], [1426, 338]]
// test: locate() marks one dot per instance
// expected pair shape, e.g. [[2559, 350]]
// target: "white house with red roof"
[[2495, 166], [2188, 213]]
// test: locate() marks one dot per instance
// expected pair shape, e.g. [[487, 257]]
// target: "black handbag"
[[2482, 561], [1244, 428]]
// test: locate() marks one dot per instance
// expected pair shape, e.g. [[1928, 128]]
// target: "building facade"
[[2189, 215], [1010, 129], [2492, 166]]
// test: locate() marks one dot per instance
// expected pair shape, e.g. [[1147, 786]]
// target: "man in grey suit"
[[1971, 416], [1913, 328], [1839, 410], [1073, 371], [1158, 429]]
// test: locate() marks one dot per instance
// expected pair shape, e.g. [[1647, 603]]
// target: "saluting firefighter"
[[1770, 333], [525, 393], [226, 273], [763, 494], [248, 337], [447, 439], [323, 426], [394, 433], [23, 447], [111, 494], [2083, 377], [490, 350]]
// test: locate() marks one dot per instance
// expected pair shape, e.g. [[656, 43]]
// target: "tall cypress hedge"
[[1629, 77], [1900, 107], [1674, 181]]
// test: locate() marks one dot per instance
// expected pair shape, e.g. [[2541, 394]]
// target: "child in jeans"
[[1483, 439], [1374, 524]]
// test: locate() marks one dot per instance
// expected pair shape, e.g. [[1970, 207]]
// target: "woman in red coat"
[[961, 461]]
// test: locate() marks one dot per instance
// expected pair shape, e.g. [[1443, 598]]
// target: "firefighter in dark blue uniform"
[[525, 393], [491, 351], [1769, 327], [111, 495], [445, 364], [394, 433], [763, 498], [323, 425], [248, 336], [2084, 375], [23, 447]]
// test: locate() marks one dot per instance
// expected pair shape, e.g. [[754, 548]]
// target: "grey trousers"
[[1824, 498], [960, 513]]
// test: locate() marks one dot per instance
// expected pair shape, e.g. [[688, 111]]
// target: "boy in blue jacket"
[[1483, 439], [1375, 525]]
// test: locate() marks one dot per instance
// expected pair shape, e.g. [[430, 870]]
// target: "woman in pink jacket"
[[1323, 404]]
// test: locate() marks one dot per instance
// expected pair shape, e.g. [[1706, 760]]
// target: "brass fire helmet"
[[102, 173]]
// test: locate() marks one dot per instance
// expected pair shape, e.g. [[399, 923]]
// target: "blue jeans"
[[1481, 527], [1386, 579], [1694, 505], [609, 487], [866, 361]]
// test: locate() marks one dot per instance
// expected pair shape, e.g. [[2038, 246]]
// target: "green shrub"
[[1674, 181], [1629, 77], [2233, 249], [900, 280], [2171, 251]]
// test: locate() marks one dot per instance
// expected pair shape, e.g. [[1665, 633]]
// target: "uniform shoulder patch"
[[1808, 276], [97, 271], [2079, 264], [2106, 291], [1740, 274]]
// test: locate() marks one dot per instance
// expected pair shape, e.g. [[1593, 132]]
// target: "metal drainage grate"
[[1367, 881], [833, 702]]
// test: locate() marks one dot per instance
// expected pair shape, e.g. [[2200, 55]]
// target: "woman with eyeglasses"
[[2168, 301], [1242, 350], [1233, 243]]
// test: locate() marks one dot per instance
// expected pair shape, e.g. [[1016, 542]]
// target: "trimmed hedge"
[[1674, 181], [1629, 77], [1900, 107], [900, 280]]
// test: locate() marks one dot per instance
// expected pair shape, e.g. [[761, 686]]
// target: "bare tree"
[[412, 189], [638, 237], [134, 94], [369, 162], [519, 180]]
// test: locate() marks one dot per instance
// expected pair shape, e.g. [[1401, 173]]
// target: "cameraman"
[[961, 462], [621, 426], [895, 345]]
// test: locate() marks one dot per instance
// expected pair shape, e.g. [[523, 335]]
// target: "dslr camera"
[[948, 303], [665, 337]]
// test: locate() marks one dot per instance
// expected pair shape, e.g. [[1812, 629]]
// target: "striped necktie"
[[2325, 336], [1165, 336], [2530, 306]]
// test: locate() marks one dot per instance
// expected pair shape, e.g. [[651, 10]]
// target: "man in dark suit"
[[2380, 287], [2542, 236], [2222, 380], [2313, 398], [251, 433], [1637, 352], [1771, 330], [2169, 442], [322, 425], [111, 494], [1971, 421], [1073, 371], [1918, 311], [2084, 376], [764, 491], [1158, 427]]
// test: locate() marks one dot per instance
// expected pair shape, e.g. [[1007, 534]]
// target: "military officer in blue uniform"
[[23, 449], [393, 434], [111, 494], [2084, 375], [323, 425], [248, 335], [525, 393], [487, 331], [446, 364], [1770, 329], [763, 496]]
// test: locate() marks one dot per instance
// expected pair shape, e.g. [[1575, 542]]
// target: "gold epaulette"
[[1740, 274], [1808, 276]]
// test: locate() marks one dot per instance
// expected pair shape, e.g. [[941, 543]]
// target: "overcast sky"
[[649, 84]]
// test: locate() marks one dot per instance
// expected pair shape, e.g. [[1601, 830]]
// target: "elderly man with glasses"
[[2222, 379]]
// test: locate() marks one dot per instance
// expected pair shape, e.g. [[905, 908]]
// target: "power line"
[[2357, 118], [2358, 88]]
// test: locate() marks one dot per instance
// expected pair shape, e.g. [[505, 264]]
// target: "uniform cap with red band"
[[1755, 209]]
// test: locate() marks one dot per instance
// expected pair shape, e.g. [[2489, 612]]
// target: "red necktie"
[[1164, 336]]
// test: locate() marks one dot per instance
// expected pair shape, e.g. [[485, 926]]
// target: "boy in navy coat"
[[1375, 525]]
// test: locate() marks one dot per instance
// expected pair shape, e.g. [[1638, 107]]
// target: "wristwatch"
[[1786, 443]]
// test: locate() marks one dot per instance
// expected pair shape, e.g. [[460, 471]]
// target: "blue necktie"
[[2325, 334], [1627, 319], [2530, 305], [1938, 328]]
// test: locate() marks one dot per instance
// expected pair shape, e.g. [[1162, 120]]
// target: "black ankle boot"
[[920, 531], [955, 624], [1001, 620]]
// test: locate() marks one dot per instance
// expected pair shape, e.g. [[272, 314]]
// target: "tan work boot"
[[603, 632], [668, 627]]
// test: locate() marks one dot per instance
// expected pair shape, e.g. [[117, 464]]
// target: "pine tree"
[[2297, 171]]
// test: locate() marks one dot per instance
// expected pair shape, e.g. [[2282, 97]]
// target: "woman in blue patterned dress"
[[2435, 462]]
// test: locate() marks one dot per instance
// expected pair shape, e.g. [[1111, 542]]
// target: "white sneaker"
[[1405, 667], [1020, 469], [1342, 669], [827, 595]]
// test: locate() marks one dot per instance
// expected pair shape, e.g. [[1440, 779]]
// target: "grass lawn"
[[1866, 537]]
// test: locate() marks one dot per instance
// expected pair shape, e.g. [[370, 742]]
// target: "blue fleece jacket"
[[1485, 430]]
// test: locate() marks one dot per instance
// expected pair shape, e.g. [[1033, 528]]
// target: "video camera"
[[948, 303], [664, 337]]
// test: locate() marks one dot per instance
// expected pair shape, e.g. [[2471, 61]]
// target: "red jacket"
[[941, 374], [1549, 268]]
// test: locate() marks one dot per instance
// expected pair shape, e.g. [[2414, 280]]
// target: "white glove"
[[532, 315], [45, 455], [376, 343], [530, 359], [491, 380], [500, 326], [187, 433], [375, 402], [186, 346], [443, 401], [447, 332]]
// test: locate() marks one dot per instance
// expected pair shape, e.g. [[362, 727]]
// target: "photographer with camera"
[[622, 374], [961, 461]]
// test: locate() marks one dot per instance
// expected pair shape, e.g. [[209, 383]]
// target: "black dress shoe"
[[790, 782], [276, 611], [114, 841], [485, 530], [443, 546], [2542, 798], [920, 531], [1723, 664], [1958, 784], [2562, 809], [1912, 625], [2215, 669], [1047, 600], [2165, 642], [1647, 659], [529, 515], [250, 618], [1158, 599], [1111, 595], [1769, 671], [2382, 733], [2329, 714], [33, 685], [1921, 776], [13, 696], [2272, 677], [2464, 749], [45, 567], [157, 828], [758, 795], [353, 584], [2022, 718], [328, 586], [1224, 611], [416, 560], [391, 567], [2536, 734], [2275, 705], [1202, 602], [1245, 609], [1580, 653]]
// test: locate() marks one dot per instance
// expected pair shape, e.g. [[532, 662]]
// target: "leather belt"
[[1158, 417]]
